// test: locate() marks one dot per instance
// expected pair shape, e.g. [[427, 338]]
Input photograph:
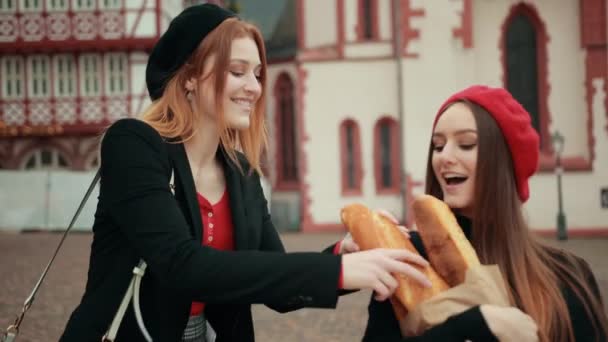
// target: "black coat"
[[138, 217]]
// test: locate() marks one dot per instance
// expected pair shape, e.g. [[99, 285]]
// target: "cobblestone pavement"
[[23, 256]]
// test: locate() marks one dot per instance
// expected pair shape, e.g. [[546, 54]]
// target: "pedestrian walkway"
[[23, 256]]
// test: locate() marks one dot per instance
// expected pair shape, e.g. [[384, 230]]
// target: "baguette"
[[371, 230], [449, 251]]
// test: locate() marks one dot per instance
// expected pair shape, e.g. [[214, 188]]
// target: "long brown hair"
[[533, 270], [172, 116]]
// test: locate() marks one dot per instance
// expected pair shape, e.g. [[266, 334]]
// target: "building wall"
[[336, 91], [323, 32], [439, 62], [581, 190]]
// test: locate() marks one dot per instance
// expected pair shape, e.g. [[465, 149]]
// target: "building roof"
[[278, 22]]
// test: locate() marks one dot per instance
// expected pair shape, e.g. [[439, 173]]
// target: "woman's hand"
[[374, 270], [348, 245], [509, 323]]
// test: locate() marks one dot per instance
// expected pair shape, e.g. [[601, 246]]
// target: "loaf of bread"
[[371, 230], [448, 250]]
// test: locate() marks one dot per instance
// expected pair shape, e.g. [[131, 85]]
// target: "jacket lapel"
[[235, 186], [186, 185]]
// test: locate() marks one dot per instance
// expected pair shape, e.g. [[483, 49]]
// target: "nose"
[[447, 155], [252, 85]]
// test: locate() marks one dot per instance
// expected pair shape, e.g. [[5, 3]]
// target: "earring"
[[189, 95]]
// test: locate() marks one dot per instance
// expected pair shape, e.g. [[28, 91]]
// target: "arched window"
[[350, 158], [386, 155], [46, 158], [285, 127], [525, 58], [522, 69]]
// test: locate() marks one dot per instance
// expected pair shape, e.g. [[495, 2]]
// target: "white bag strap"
[[133, 292]]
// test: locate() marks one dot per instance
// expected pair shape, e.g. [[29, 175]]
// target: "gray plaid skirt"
[[198, 330]]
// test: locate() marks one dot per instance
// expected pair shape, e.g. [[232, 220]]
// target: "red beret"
[[515, 124]]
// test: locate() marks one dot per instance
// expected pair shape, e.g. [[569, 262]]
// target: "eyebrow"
[[458, 132], [244, 61]]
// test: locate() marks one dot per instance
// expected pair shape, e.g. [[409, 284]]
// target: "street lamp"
[[558, 143]]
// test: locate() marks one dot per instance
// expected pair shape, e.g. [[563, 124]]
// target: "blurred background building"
[[353, 89]]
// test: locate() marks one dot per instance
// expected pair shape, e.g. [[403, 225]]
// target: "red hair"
[[172, 116]]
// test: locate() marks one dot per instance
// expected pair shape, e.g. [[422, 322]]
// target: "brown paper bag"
[[483, 285]]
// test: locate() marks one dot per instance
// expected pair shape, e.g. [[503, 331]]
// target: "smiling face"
[[242, 88], [454, 156]]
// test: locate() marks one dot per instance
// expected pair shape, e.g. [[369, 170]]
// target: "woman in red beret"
[[181, 190], [482, 153]]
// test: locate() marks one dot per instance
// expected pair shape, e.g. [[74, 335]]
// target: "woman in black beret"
[[180, 189]]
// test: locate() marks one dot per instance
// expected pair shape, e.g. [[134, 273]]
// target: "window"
[[90, 75], [110, 4], [31, 5], [116, 67], [287, 163], [385, 159], [12, 78], [368, 23], [39, 77], [57, 5], [7, 5], [350, 152], [368, 32], [83, 4], [386, 156], [46, 158], [522, 73], [524, 51], [65, 76]]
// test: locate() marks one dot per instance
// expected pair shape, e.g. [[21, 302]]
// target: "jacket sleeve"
[[271, 241], [134, 189], [383, 326]]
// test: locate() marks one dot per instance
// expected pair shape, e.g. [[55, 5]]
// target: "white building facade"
[[350, 103], [68, 69], [355, 107]]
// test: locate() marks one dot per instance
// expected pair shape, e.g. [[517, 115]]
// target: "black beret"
[[175, 46]]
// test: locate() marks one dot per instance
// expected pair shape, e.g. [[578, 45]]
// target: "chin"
[[456, 203], [240, 124], [238, 121]]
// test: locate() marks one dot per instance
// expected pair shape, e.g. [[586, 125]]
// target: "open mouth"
[[455, 179]]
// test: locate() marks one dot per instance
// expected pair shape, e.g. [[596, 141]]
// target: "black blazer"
[[138, 217]]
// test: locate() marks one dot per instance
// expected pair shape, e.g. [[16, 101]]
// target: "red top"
[[218, 232]]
